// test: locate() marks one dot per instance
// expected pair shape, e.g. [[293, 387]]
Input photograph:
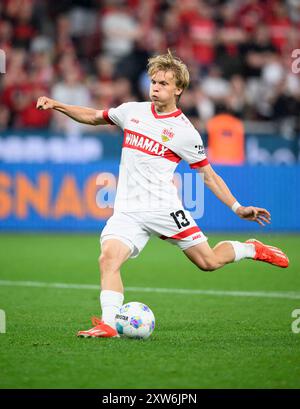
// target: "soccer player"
[[157, 135]]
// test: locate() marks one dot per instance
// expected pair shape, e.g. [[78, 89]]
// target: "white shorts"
[[135, 228]]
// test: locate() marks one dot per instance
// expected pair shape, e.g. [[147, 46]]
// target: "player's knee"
[[208, 264], [107, 262]]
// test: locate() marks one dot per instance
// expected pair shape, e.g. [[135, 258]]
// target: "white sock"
[[111, 302], [242, 250]]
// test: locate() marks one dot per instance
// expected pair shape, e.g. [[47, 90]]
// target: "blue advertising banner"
[[51, 147], [60, 197]]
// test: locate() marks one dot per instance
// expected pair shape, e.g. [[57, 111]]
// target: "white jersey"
[[153, 146]]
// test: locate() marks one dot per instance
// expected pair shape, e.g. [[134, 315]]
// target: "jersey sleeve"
[[193, 152], [117, 116]]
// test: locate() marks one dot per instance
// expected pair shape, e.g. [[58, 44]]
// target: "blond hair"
[[168, 62]]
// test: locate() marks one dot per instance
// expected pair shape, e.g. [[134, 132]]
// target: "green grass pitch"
[[200, 340]]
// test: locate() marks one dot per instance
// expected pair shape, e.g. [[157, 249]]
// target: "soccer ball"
[[135, 320]]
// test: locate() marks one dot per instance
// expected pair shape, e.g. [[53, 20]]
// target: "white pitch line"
[[260, 294]]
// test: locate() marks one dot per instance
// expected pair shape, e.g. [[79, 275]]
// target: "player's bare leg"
[[208, 259], [225, 252], [114, 253]]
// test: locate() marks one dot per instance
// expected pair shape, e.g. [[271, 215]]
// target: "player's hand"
[[44, 103], [255, 214]]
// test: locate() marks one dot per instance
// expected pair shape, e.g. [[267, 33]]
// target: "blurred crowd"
[[94, 53]]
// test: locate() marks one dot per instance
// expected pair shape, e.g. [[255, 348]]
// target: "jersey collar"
[[157, 116]]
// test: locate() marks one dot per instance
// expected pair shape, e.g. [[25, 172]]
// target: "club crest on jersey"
[[167, 135]]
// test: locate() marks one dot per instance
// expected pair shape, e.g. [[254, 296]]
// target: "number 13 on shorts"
[[182, 230], [180, 219]]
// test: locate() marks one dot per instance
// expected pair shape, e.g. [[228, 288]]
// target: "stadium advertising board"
[[80, 198], [43, 147]]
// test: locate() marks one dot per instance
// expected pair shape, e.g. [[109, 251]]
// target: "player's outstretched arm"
[[84, 115], [217, 185]]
